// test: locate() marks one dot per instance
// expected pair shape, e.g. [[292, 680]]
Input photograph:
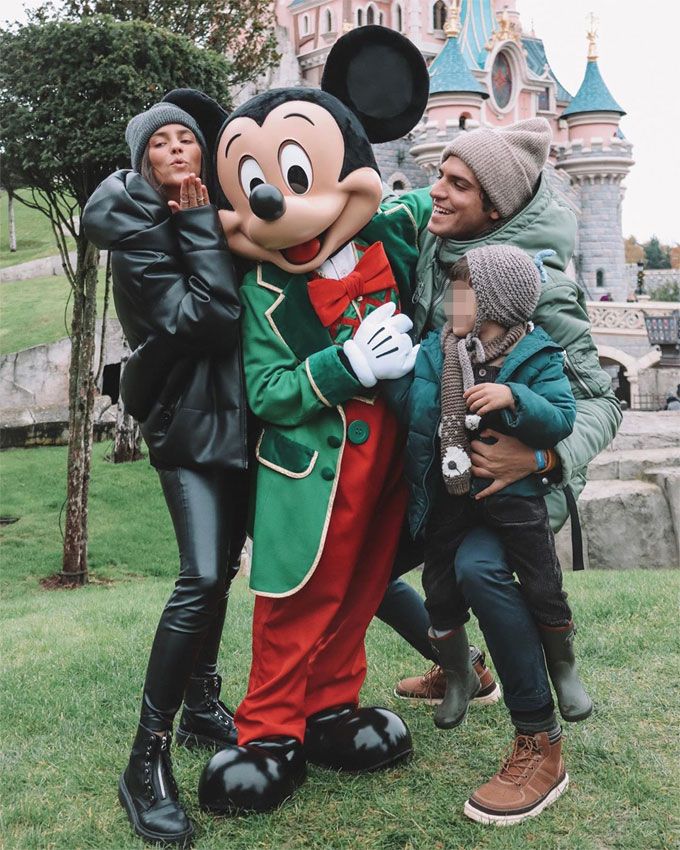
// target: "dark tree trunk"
[[126, 441], [81, 406]]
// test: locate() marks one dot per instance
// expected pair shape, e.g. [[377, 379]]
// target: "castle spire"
[[593, 95], [449, 72]]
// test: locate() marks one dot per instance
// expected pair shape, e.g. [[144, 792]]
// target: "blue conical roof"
[[593, 96], [450, 73], [538, 62]]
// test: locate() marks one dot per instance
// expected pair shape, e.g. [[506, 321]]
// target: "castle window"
[[398, 16], [544, 100], [501, 80], [360, 17], [398, 181], [370, 16], [305, 24], [381, 19], [329, 21], [599, 278], [439, 15]]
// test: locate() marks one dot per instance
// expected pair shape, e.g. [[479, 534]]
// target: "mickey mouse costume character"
[[320, 327]]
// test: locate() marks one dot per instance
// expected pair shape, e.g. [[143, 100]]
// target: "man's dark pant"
[[489, 586]]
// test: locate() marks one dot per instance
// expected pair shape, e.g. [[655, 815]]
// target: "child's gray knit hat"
[[142, 127], [507, 161], [507, 283]]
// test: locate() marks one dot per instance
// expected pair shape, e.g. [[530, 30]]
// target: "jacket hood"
[[121, 206], [543, 223]]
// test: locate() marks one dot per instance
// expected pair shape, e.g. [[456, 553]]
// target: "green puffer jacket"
[[544, 414], [561, 312]]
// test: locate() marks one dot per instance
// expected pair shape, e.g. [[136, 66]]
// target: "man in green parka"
[[491, 190]]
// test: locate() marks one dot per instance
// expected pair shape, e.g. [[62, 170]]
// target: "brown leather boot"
[[530, 779], [429, 689]]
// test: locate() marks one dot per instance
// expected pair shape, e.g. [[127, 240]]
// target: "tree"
[[127, 437], [635, 253], [242, 30], [67, 90], [657, 255], [7, 182], [669, 291]]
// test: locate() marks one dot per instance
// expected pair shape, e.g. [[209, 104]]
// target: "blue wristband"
[[541, 460]]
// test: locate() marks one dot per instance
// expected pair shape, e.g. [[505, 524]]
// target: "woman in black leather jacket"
[[175, 291]]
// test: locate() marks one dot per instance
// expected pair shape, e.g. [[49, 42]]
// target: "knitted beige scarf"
[[458, 376]]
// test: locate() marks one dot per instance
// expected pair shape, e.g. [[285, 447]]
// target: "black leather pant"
[[208, 515]]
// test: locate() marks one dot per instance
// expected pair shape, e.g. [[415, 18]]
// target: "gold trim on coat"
[[281, 469]]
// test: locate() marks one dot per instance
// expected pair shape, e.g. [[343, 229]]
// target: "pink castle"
[[486, 70]]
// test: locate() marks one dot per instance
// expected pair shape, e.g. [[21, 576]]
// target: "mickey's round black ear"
[[382, 77], [207, 113]]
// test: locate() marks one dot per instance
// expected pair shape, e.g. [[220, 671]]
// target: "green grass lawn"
[[38, 311], [34, 234], [72, 665]]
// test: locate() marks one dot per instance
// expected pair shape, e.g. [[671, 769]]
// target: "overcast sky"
[[638, 48]]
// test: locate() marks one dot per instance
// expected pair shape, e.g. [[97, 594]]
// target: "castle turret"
[[597, 157], [455, 102]]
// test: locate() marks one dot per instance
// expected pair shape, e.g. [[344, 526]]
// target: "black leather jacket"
[[176, 295]]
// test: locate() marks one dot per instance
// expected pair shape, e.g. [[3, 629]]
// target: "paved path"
[[43, 267]]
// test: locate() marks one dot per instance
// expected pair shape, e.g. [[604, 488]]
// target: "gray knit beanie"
[[507, 283], [142, 127], [507, 161]]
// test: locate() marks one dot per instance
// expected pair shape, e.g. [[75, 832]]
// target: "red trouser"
[[308, 648]]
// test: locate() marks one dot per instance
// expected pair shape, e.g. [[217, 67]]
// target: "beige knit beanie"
[[506, 161]]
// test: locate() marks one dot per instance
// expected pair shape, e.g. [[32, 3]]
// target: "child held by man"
[[489, 368]]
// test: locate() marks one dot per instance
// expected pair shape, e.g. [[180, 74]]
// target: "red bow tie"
[[330, 298]]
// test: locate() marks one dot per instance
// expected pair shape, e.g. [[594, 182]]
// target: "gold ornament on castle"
[[592, 39], [507, 31], [452, 25]]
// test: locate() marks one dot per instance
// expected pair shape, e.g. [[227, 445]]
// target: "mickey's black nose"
[[267, 202]]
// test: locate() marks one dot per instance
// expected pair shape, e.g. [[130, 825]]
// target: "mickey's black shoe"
[[148, 792], [205, 720], [357, 739], [256, 777]]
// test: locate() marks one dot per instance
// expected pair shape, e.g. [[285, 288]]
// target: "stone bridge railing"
[[619, 331], [626, 318]]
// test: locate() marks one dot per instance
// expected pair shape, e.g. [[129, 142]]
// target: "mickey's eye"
[[295, 167], [251, 175]]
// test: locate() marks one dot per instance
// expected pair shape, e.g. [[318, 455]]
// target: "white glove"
[[381, 348]]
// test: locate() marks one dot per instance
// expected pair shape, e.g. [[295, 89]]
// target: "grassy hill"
[[34, 234], [38, 310]]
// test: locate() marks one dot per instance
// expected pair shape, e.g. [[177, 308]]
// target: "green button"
[[358, 431], [334, 442], [327, 473]]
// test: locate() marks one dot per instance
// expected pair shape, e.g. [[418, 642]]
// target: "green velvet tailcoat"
[[297, 385]]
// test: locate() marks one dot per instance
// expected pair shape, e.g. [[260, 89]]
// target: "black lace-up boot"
[[205, 721], [148, 792]]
